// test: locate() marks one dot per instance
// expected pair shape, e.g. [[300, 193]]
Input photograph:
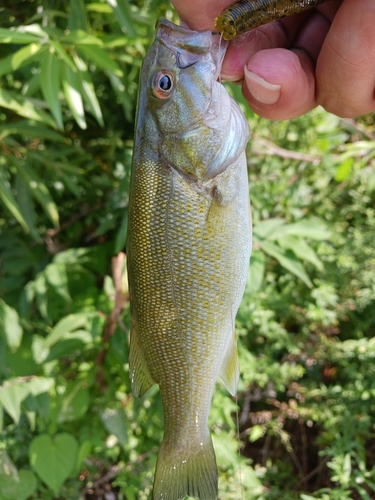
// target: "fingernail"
[[262, 91]]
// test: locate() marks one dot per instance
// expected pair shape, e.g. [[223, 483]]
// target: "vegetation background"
[[69, 426]]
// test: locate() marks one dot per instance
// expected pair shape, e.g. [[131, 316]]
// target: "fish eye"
[[162, 84]]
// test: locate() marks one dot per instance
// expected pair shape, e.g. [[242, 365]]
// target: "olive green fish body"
[[188, 249]]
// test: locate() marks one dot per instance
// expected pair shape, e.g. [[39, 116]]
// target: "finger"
[[199, 15], [346, 65], [279, 84]]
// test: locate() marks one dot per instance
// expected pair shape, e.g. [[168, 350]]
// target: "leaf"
[[30, 130], [88, 91], [288, 260], [265, 228], [53, 459], [24, 107], [343, 170], [302, 250], [75, 403], [123, 15], [65, 326], [308, 228], [72, 91], [114, 421], [50, 85], [78, 16], [20, 58], [56, 276], [38, 189], [62, 53], [18, 486], [11, 397], [40, 385], [101, 58], [39, 349], [10, 326], [10, 202], [17, 37], [256, 272]]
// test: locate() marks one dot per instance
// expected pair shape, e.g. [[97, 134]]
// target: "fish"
[[244, 15], [188, 248]]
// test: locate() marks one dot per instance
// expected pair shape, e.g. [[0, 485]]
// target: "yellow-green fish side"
[[188, 250]]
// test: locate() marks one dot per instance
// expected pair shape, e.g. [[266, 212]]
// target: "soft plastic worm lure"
[[245, 15]]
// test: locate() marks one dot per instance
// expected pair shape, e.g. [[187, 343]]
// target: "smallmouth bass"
[[189, 243]]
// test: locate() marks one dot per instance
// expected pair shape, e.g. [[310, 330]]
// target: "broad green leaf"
[[81, 37], [17, 37], [11, 397], [78, 16], [256, 272], [10, 326], [18, 486], [114, 421], [40, 286], [101, 58], [39, 385], [265, 228], [39, 190], [88, 91], [65, 326], [7, 197], [308, 228], [24, 107], [57, 278], [302, 250], [72, 91], [50, 85], [288, 260], [20, 58], [75, 403], [53, 459], [123, 15], [343, 170], [39, 349]]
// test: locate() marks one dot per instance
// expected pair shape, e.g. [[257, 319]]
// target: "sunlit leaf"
[[17, 37], [11, 397], [50, 84], [7, 197], [88, 91], [57, 278], [24, 107], [123, 14], [21, 57], [65, 326], [10, 326], [256, 272], [39, 190], [72, 91]]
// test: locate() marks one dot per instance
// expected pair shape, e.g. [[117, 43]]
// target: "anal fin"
[[140, 376], [230, 371]]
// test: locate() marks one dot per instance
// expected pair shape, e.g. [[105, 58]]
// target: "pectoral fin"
[[230, 371], [140, 375]]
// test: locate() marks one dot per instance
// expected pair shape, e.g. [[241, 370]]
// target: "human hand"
[[322, 56]]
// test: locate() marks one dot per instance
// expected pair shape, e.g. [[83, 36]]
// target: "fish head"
[[197, 128]]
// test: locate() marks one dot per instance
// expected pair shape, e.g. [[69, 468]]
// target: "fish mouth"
[[190, 46]]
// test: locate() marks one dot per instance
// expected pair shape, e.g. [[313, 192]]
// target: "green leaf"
[[308, 228], [288, 260], [53, 459], [38, 189], [62, 53], [24, 107], [78, 16], [101, 58], [302, 250], [6, 195], [23, 56], [265, 228], [123, 15], [56, 276], [50, 85], [19, 486], [256, 272], [344, 169], [88, 91], [72, 91], [114, 421], [17, 37], [65, 326], [10, 326], [81, 37], [75, 403], [30, 130], [11, 397]]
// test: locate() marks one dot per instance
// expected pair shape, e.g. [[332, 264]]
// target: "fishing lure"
[[245, 15]]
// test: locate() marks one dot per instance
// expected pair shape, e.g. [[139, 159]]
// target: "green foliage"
[[69, 425]]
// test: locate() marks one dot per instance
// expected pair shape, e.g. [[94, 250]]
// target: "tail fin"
[[186, 471]]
